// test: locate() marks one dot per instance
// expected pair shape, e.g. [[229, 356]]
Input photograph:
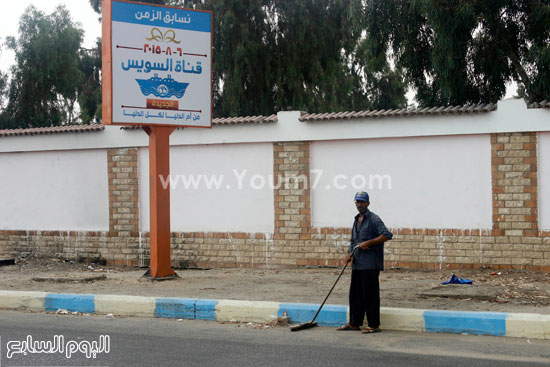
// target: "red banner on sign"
[[160, 104]]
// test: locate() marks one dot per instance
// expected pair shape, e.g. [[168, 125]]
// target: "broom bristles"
[[306, 325]]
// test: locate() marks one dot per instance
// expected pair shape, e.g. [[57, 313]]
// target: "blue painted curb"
[[178, 308], [330, 315], [433, 321], [205, 309], [477, 323], [186, 308], [70, 302]]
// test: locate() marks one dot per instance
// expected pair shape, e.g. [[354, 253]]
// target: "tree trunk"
[[520, 70]]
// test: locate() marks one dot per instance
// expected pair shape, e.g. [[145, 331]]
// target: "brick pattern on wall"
[[126, 245], [71, 245], [514, 241], [223, 249], [291, 172], [123, 192], [122, 244], [256, 250], [467, 249], [514, 181]]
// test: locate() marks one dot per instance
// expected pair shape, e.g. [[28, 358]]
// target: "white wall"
[[436, 182], [511, 115], [544, 180], [224, 206], [55, 190]]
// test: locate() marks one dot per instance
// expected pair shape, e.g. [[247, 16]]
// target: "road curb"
[[524, 325]]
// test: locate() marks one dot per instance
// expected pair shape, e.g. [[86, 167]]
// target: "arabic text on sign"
[[162, 104], [167, 19], [146, 66], [158, 50], [183, 116]]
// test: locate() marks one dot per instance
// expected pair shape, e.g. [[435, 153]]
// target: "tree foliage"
[[3, 87], [456, 52], [243, 66], [272, 55], [312, 55], [46, 77], [313, 39], [89, 91]]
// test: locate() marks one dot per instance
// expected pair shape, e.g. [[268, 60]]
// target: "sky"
[[80, 10]]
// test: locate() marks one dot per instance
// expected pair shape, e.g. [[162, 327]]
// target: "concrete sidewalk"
[[524, 325]]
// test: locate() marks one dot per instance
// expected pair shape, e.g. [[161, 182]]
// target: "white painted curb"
[[246, 311], [125, 305], [521, 325], [18, 300], [406, 319], [528, 325]]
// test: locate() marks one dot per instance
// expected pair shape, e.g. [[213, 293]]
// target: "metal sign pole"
[[159, 194], [157, 73]]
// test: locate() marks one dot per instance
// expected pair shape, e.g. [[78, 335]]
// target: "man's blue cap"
[[361, 196]]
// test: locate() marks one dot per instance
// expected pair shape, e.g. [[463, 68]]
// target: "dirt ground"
[[492, 290]]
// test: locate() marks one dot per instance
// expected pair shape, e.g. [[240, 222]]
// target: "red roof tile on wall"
[[306, 117], [450, 110], [52, 130]]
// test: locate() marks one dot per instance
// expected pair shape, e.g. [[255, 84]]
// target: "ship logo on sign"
[[162, 87]]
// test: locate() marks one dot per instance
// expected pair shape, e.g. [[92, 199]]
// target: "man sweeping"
[[369, 234]]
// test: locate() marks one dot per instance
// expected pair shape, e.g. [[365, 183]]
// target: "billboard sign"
[[157, 65]]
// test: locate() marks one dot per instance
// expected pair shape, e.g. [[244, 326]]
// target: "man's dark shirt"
[[371, 227]]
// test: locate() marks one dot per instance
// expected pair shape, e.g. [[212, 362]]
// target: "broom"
[[312, 323]]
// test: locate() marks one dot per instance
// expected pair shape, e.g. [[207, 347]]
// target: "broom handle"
[[334, 285]]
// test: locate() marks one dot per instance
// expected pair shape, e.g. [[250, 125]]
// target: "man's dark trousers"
[[364, 297]]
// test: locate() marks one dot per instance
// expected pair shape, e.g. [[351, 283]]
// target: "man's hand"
[[374, 241], [364, 245], [348, 258]]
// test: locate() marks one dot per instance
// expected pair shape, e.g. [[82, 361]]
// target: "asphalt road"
[[163, 342]]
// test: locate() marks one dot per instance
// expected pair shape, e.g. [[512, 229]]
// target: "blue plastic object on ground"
[[456, 280]]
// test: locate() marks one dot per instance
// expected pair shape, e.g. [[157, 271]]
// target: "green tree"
[[3, 86], [89, 91], [5, 121], [457, 52], [322, 64], [311, 39], [243, 62], [276, 55], [384, 84], [271, 55], [46, 77]]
